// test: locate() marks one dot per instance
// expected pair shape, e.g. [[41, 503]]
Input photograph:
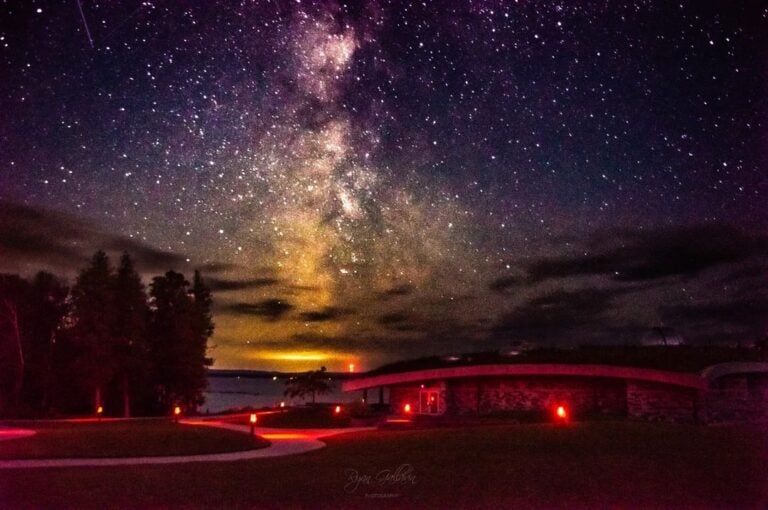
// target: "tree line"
[[103, 344]]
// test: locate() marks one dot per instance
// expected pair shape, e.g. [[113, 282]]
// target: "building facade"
[[731, 392]]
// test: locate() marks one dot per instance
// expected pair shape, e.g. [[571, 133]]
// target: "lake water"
[[234, 392]]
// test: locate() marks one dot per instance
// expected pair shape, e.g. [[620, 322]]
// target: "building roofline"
[[693, 381], [733, 368]]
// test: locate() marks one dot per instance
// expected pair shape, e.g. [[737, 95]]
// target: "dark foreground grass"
[[597, 465], [139, 438]]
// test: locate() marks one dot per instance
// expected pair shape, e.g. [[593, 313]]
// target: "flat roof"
[[693, 381]]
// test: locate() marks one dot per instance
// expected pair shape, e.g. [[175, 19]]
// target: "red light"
[[561, 413], [177, 410], [253, 418], [337, 410], [407, 408], [99, 410]]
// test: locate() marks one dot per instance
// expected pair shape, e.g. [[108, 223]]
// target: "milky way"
[[363, 183]]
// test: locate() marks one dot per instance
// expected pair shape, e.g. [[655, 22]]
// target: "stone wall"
[[738, 398], [660, 402], [530, 395]]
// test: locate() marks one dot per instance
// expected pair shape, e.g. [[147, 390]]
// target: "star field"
[[370, 181]]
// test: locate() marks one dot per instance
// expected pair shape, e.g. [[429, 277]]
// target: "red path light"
[[253, 418], [561, 414], [176, 411], [337, 410], [407, 408], [100, 410]]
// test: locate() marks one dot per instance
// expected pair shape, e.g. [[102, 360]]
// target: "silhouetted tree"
[[93, 312], [48, 310], [14, 293], [130, 323], [203, 317], [314, 382], [178, 341]]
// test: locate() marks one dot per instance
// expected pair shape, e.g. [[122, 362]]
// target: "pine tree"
[[49, 309], [93, 311], [203, 320], [14, 292], [130, 330], [178, 328]]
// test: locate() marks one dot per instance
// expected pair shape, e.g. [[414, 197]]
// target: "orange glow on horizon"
[[351, 367], [296, 356]]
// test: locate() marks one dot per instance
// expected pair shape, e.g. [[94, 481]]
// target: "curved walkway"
[[284, 442], [9, 433]]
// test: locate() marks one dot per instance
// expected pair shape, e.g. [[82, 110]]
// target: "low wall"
[[738, 398], [658, 402], [536, 394]]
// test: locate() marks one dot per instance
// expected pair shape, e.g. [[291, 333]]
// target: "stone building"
[[721, 393]]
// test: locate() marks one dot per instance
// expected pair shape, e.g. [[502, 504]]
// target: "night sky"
[[367, 183]]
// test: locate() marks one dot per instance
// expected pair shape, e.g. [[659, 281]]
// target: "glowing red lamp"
[[337, 410], [176, 411], [253, 419], [561, 414], [100, 410], [407, 408]]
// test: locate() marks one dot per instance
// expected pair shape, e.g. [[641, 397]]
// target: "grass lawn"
[[589, 465], [123, 439], [595, 465]]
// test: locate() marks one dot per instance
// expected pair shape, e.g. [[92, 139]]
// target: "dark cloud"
[[326, 314], [45, 237], [558, 316], [220, 285], [504, 284], [644, 255], [399, 290], [146, 257], [270, 309], [216, 267], [720, 321], [392, 318]]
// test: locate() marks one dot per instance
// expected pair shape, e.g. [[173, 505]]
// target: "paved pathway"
[[13, 433], [284, 442]]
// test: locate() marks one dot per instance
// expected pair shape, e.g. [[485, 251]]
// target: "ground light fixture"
[[337, 410], [407, 408], [561, 414], [253, 419], [176, 413], [99, 412]]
